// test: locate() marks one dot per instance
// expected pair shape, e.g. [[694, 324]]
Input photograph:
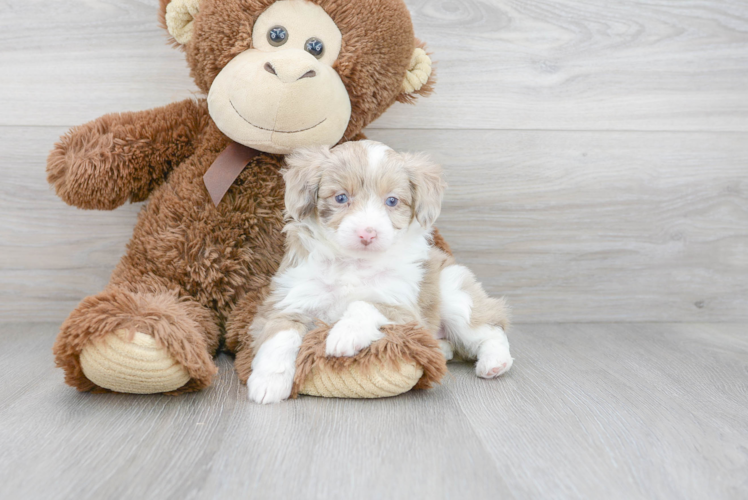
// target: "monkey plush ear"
[[418, 73], [419, 79], [303, 175], [180, 16], [427, 185]]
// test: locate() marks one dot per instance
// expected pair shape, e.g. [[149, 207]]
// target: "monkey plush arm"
[[124, 156]]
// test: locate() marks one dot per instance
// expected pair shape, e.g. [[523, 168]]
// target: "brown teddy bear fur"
[[189, 263]]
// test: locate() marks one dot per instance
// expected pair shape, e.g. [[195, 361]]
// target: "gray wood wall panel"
[[597, 153], [546, 64], [570, 226]]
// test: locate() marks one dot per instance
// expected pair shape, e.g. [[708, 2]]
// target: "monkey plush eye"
[[277, 36], [315, 47], [391, 201], [341, 198]]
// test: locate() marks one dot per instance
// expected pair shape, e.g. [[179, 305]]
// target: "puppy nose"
[[366, 236]]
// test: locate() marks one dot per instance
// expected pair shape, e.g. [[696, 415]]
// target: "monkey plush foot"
[[406, 358], [136, 365], [139, 340]]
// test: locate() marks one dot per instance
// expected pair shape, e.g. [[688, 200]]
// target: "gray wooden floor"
[[588, 411]]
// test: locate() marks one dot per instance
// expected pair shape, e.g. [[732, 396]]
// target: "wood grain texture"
[[588, 411], [570, 226], [65, 63], [609, 403], [546, 64], [590, 226]]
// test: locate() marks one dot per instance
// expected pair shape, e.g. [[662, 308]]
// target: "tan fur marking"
[[429, 298]]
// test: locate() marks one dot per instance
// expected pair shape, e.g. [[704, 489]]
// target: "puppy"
[[359, 254]]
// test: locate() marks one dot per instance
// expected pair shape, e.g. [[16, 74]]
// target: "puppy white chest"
[[324, 288]]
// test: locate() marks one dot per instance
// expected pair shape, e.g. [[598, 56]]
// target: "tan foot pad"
[[138, 366], [379, 382]]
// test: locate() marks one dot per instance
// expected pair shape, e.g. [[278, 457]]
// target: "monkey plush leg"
[[119, 157], [408, 357], [140, 339]]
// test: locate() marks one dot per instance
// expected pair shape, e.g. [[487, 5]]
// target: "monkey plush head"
[[296, 73]]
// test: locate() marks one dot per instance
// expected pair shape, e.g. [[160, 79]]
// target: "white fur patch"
[[274, 367], [493, 355], [325, 283], [456, 303], [356, 330], [376, 153]]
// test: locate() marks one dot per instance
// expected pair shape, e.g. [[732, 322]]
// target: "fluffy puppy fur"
[[359, 254]]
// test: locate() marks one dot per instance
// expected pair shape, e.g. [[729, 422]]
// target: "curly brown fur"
[[182, 242], [215, 254], [181, 325], [124, 156]]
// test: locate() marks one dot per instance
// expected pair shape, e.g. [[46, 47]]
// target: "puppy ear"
[[427, 185], [302, 176]]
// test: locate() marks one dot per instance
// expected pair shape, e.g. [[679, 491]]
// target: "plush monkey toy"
[[277, 75]]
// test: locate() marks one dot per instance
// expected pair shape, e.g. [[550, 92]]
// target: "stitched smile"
[[273, 130]]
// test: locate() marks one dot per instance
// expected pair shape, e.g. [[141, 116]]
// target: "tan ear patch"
[[418, 72], [180, 16]]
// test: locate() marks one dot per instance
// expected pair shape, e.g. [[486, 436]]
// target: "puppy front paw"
[[266, 388], [349, 337], [493, 360], [356, 330], [273, 368]]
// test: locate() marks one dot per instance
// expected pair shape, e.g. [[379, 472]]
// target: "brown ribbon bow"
[[227, 167]]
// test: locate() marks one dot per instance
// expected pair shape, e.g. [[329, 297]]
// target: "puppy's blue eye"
[[341, 198], [391, 201]]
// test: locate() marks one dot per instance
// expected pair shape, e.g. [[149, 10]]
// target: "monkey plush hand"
[[275, 75]]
